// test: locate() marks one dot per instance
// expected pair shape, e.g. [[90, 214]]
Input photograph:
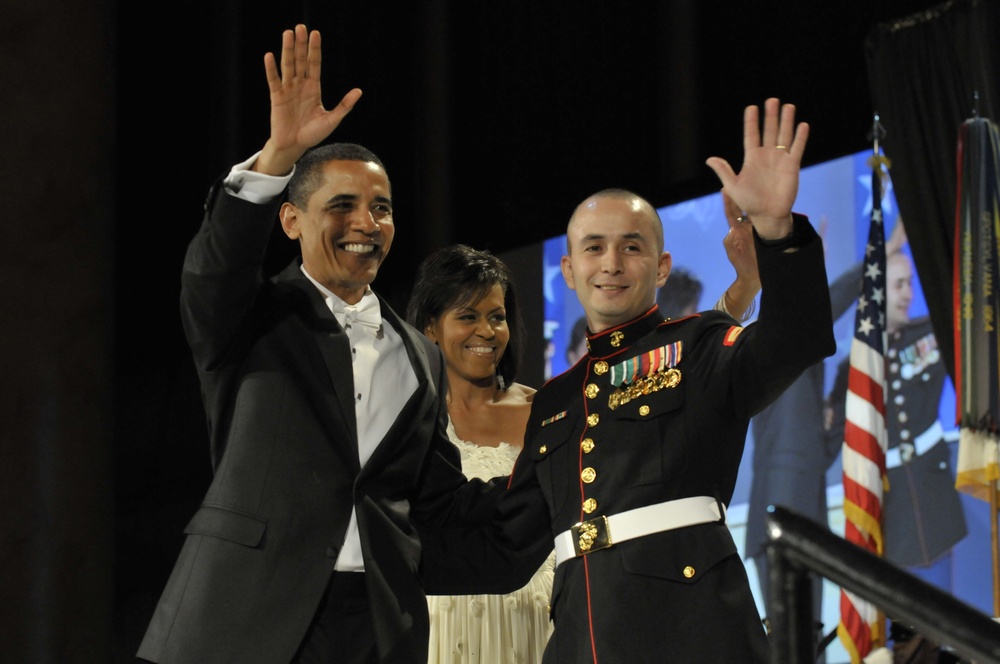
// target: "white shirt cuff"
[[252, 186]]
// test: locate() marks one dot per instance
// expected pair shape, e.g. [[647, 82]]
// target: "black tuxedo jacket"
[[277, 384]]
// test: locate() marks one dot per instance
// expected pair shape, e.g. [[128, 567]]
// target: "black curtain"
[[926, 71]]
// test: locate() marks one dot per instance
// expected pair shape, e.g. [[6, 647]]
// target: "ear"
[[429, 331], [567, 272], [289, 216], [663, 268]]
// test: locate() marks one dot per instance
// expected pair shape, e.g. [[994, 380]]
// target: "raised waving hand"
[[768, 181], [298, 119]]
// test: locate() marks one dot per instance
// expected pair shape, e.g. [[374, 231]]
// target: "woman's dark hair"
[[459, 275]]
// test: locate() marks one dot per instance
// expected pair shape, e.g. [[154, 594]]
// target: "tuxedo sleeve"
[[491, 538], [499, 553], [221, 282], [453, 514]]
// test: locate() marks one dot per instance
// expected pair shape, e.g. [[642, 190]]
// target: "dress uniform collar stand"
[[616, 339]]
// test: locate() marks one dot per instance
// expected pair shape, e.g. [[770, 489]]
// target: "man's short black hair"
[[308, 169]]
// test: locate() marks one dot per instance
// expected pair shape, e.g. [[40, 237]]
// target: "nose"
[[611, 263], [484, 329], [363, 221]]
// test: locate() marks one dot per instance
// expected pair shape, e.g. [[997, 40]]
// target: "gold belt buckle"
[[592, 535]]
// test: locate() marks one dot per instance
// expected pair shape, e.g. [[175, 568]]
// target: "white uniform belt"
[[604, 531], [921, 444]]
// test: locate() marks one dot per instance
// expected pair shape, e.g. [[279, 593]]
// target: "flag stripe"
[[864, 384], [860, 471], [858, 436]]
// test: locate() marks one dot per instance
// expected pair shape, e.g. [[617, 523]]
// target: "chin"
[[618, 315]]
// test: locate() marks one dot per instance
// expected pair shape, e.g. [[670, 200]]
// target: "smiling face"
[[346, 228], [473, 337], [616, 261]]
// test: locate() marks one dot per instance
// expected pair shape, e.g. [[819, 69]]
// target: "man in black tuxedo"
[[325, 411]]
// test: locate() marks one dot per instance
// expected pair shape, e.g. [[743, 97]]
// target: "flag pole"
[[877, 161]]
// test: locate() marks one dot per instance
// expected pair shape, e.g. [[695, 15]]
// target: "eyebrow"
[[341, 198], [590, 237], [469, 307]]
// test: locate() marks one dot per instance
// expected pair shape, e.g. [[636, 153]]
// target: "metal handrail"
[[798, 547]]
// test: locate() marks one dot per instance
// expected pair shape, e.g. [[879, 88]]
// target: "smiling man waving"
[[630, 457], [325, 411]]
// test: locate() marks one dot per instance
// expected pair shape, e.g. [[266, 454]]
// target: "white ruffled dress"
[[491, 629]]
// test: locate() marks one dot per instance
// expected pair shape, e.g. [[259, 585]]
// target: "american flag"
[[865, 437]]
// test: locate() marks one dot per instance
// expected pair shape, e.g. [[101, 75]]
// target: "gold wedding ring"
[[781, 147]]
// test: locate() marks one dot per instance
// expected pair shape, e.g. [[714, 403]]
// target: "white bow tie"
[[366, 313]]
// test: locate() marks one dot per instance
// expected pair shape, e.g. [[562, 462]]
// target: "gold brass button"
[[591, 391], [644, 410], [588, 475], [593, 419], [587, 445], [601, 368], [589, 505], [688, 572], [543, 449]]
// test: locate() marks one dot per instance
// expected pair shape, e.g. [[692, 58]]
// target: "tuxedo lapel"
[[413, 341], [335, 350]]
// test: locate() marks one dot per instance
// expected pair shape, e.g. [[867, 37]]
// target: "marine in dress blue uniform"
[[631, 456]]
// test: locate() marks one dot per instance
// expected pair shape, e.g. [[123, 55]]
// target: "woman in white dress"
[[464, 301]]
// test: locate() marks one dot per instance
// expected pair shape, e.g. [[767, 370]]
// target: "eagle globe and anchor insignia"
[[591, 535]]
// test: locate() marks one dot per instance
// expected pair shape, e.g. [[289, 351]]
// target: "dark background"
[[494, 120]]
